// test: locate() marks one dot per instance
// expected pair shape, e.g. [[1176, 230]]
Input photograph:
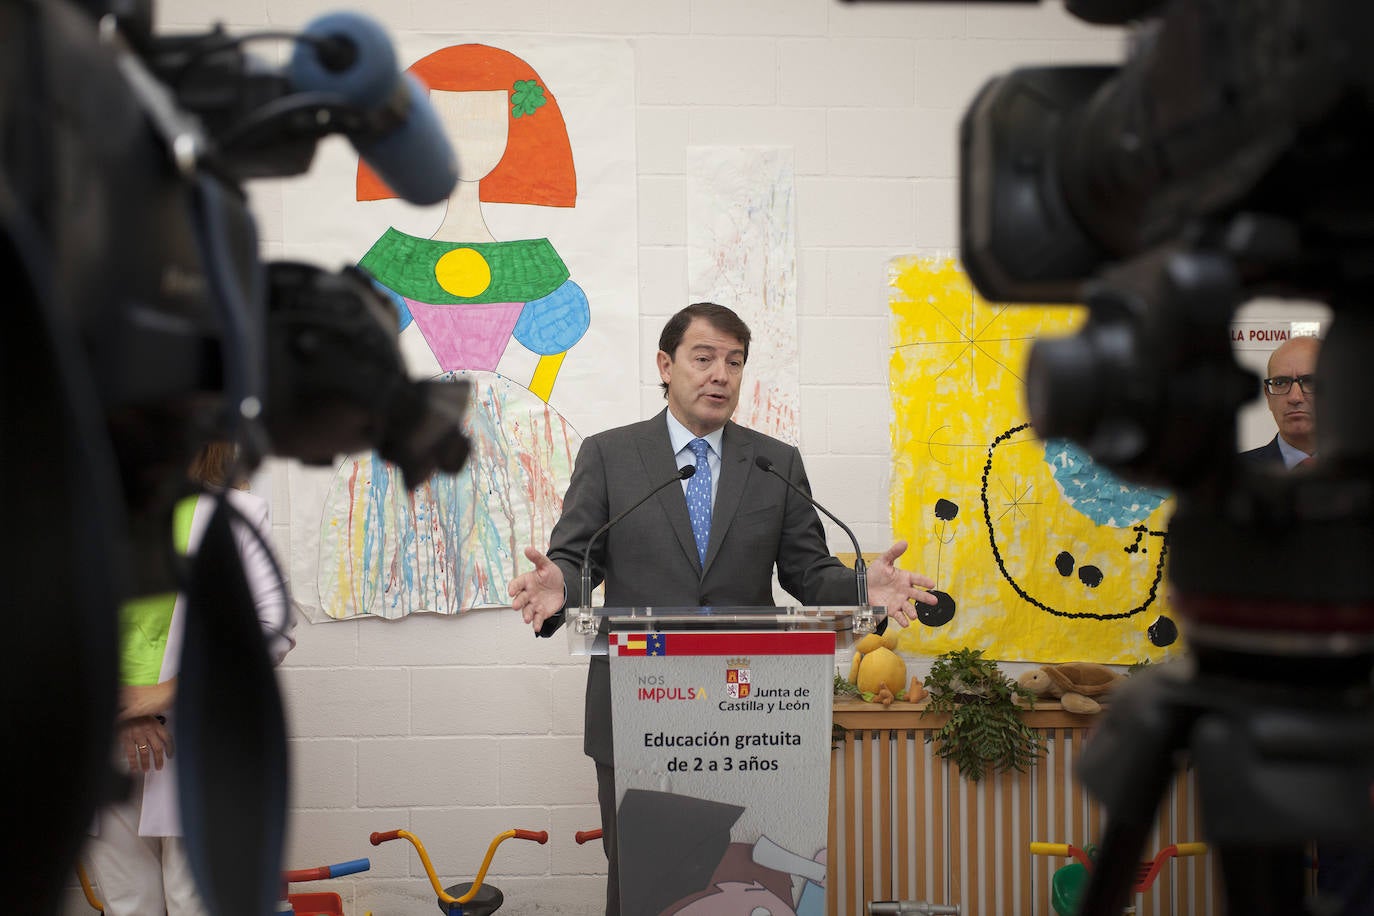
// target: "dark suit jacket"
[[650, 558], [1267, 454]]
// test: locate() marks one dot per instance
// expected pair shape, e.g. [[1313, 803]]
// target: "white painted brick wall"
[[663, 210], [760, 17], [521, 701], [843, 212], [662, 282], [904, 20], [802, 129], [846, 72], [888, 142], [707, 71], [613, 17], [937, 213], [459, 728]]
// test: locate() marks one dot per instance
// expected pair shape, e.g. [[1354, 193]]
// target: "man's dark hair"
[[719, 317]]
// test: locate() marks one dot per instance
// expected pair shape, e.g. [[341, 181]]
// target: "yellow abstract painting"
[[1038, 554]]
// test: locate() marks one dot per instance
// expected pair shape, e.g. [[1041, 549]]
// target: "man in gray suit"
[[661, 554]]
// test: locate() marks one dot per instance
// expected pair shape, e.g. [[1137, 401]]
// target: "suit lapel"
[[1275, 454], [656, 452], [736, 457]]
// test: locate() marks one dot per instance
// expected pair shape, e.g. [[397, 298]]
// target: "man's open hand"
[[896, 589], [540, 593]]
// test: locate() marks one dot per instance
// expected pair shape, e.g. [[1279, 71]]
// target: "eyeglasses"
[[1280, 384]]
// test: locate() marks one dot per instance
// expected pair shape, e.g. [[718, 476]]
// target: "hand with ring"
[[147, 743]]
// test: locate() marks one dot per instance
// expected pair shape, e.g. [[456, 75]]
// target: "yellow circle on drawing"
[[463, 272]]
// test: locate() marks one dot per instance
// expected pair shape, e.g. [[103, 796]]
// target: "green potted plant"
[[985, 729]]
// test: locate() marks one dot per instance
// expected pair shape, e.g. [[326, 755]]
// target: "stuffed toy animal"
[[876, 669], [1078, 686]]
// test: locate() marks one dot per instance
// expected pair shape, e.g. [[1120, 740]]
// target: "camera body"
[[131, 153], [1226, 159], [143, 324]]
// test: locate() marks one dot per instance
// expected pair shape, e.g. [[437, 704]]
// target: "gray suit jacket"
[[650, 558]]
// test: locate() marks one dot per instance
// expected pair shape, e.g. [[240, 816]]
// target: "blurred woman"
[[137, 855]]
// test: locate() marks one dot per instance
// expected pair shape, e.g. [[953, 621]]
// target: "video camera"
[[1227, 158], [143, 324]]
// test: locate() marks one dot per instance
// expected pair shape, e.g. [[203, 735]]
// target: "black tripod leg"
[[1263, 880], [1128, 765], [1115, 869]]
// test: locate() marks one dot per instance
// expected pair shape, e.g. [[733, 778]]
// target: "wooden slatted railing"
[[905, 826]]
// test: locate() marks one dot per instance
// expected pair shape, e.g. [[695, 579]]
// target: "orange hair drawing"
[[537, 167]]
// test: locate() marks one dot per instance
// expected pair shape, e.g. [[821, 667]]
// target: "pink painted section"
[[470, 336]]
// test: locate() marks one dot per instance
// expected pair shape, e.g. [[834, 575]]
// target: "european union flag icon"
[[658, 644]]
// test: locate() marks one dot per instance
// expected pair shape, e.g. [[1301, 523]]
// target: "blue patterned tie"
[[699, 497]]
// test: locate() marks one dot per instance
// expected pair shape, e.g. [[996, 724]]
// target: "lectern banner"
[[722, 749]]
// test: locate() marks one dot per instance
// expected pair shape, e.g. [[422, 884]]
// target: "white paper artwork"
[[741, 253], [524, 282]]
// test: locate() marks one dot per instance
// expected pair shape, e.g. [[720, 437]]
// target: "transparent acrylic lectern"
[[722, 723], [588, 628]]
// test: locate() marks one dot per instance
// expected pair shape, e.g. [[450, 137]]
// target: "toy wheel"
[[487, 900]]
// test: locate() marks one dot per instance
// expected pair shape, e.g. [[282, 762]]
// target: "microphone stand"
[[860, 567], [586, 622]]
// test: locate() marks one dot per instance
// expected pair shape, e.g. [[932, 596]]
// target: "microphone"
[[349, 55], [682, 474], [860, 567], [553, 623]]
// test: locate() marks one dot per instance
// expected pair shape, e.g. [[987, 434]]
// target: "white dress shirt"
[[681, 438]]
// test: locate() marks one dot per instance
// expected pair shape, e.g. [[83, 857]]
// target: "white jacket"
[[161, 814]]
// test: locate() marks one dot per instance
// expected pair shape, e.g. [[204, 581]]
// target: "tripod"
[[1274, 707], [1272, 573], [1164, 195], [1277, 767]]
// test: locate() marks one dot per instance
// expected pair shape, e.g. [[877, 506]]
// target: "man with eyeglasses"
[[1290, 388]]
